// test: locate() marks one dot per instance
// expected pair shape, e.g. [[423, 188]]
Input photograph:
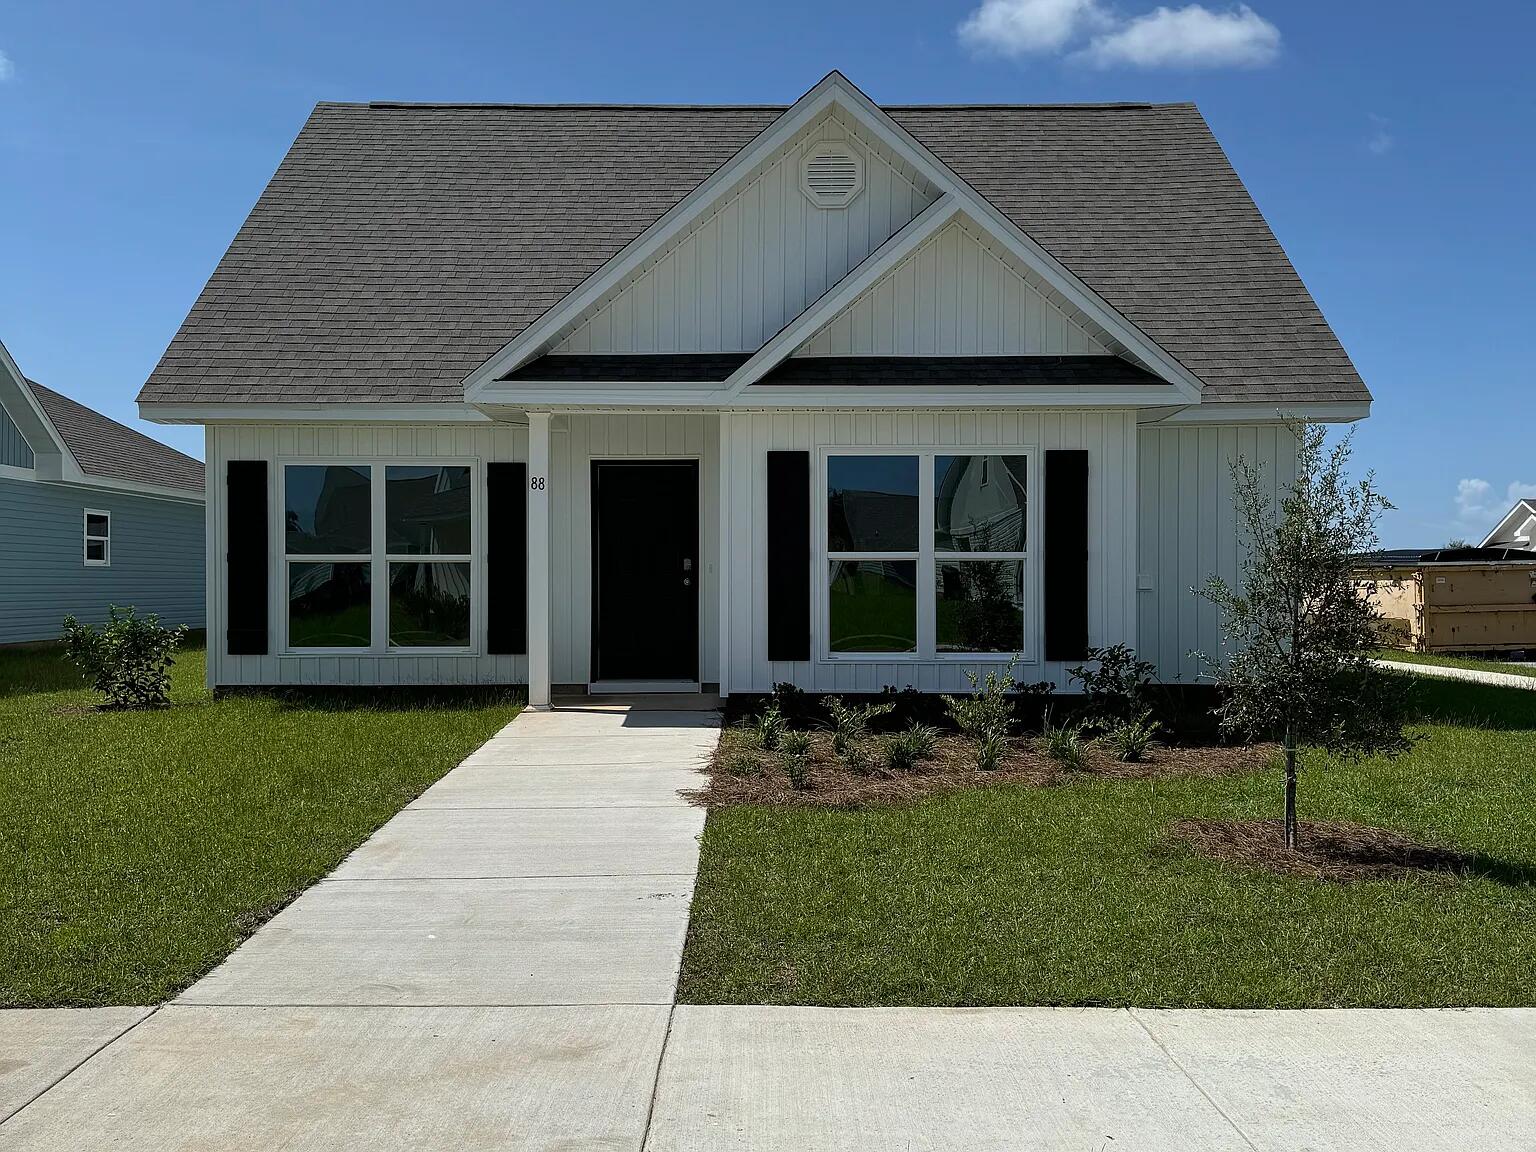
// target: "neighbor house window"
[[98, 538], [378, 555], [927, 553]]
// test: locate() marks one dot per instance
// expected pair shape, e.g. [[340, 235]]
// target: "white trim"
[[722, 555], [377, 558], [1221, 412], [86, 537], [541, 480], [1523, 508], [833, 89], [951, 396], [926, 651], [448, 412], [16, 472]]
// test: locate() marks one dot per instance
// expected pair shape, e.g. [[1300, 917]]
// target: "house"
[[91, 514], [1516, 530], [661, 398]]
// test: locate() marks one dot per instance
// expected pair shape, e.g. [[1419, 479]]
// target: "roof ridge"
[[640, 106]]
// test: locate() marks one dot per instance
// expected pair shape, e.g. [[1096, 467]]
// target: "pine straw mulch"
[[1325, 850], [740, 772]]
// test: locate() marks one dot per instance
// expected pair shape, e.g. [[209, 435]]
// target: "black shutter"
[[245, 557], [1066, 555], [789, 555], [506, 559]]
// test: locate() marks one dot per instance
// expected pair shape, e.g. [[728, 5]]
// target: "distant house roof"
[[1515, 529], [104, 448], [398, 247]]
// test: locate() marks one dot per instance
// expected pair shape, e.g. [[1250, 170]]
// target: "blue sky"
[[1391, 146]]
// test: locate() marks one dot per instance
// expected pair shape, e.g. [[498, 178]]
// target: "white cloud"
[[1190, 37], [7, 69], [1476, 501], [1021, 27]]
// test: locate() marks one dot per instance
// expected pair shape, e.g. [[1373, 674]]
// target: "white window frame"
[[927, 557], [378, 560], [86, 537]]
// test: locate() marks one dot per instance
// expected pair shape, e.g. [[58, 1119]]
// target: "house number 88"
[[536, 483]]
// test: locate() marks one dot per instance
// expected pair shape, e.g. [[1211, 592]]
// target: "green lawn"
[[138, 849], [1072, 895], [1457, 662]]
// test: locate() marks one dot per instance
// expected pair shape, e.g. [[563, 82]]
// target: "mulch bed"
[[742, 773], [1326, 849]]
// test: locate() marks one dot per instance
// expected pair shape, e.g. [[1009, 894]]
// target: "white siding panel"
[[1110, 439], [954, 296], [751, 266], [1188, 531]]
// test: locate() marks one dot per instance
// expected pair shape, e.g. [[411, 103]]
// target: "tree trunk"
[[1290, 786]]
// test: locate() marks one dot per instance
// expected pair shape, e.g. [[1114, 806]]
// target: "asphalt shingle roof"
[[400, 246], [103, 447]]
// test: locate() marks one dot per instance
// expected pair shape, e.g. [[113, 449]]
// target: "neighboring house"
[[1516, 530], [730, 396], [91, 514]]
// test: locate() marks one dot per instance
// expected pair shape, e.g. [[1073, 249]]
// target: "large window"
[[378, 556], [927, 554]]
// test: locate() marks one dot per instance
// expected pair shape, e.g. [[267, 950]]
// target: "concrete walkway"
[[1472, 675], [494, 968]]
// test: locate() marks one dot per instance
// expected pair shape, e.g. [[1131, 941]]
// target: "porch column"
[[538, 561]]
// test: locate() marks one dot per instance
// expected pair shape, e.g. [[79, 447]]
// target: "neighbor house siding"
[[480, 443], [15, 452], [954, 296], [747, 269], [156, 554], [1110, 440], [1189, 531]]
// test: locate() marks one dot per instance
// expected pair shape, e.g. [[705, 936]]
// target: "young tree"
[[1298, 633]]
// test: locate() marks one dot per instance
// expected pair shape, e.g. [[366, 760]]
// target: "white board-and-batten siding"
[[1110, 440], [1188, 529], [754, 263], [357, 443]]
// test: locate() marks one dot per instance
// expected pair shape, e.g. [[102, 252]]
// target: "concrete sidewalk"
[[494, 968]]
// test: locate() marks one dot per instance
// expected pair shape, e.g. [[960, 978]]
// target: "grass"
[[1458, 662], [137, 849], [1074, 894]]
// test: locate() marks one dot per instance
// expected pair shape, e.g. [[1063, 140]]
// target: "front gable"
[[759, 256], [906, 255]]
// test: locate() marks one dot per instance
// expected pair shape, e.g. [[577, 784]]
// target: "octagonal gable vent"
[[831, 175]]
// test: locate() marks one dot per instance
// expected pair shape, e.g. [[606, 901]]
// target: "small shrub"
[[741, 763], [1130, 740], [1117, 688], [769, 728], [1064, 743], [908, 703], [794, 754], [850, 726], [910, 747], [987, 711], [129, 660], [990, 752], [790, 700]]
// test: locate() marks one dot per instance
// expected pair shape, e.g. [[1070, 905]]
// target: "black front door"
[[645, 570]]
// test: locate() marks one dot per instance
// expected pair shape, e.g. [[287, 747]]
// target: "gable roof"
[[398, 247], [107, 450], [1512, 521]]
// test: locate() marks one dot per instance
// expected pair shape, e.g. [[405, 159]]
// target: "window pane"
[[980, 606], [95, 525], [96, 550], [978, 503], [872, 503], [429, 605], [426, 510], [328, 509], [873, 605], [328, 605]]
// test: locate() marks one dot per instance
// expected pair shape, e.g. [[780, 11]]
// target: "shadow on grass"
[[36, 669], [1464, 704]]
